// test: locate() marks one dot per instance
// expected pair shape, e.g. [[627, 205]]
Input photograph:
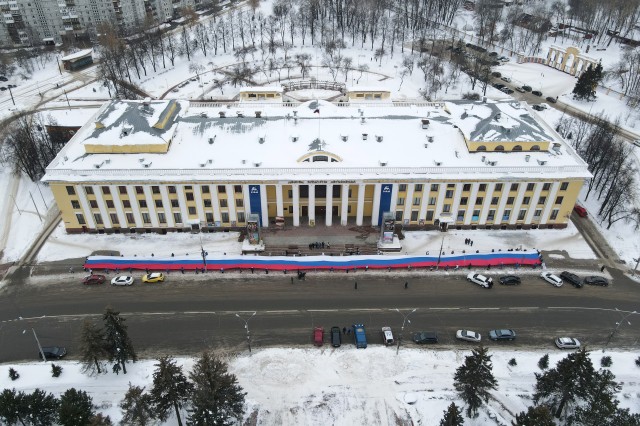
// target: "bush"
[[472, 96], [543, 364], [605, 361], [56, 370], [513, 362], [496, 74], [13, 374], [638, 361]]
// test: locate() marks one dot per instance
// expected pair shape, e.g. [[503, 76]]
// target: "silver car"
[[468, 335], [122, 280], [551, 279], [567, 343]]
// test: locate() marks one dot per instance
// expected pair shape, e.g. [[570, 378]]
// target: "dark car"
[[527, 88], [336, 337], [3, 78], [552, 99], [571, 278], [510, 280], [537, 93], [11, 86], [502, 334], [52, 352], [93, 279], [3, 88], [425, 337], [499, 86], [596, 280], [538, 108]]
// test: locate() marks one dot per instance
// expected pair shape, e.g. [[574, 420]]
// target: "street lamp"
[[405, 319], [618, 324], [246, 326]]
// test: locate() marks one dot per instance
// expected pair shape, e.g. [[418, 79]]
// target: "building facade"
[[157, 166]]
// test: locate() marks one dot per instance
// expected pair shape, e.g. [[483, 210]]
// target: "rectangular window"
[[522, 214], [207, 203], [188, 188], [400, 201], [146, 219], [479, 201], [93, 204], [88, 190], [122, 189], [414, 216], [466, 187], [506, 215], [451, 185], [399, 216], [429, 215], [530, 186], [559, 200], [222, 189], [537, 214], [432, 201], [162, 218], [434, 187], [510, 200], [514, 186], [223, 203], [239, 202], [491, 215], [564, 186], [71, 190], [526, 201], [542, 200], [75, 204], [416, 201], [177, 217], [494, 201], [546, 186], [155, 189], [175, 204], [238, 190], [448, 193], [460, 217], [130, 219], [143, 204], [241, 217], [554, 214], [80, 219], [192, 211], [158, 203], [172, 189], [189, 196], [209, 217], [446, 208], [464, 201], [205, 189], [110, 204], [290, 194], [114, 219], [498, 187], [418, 187], [126, 204], [139, 190], [225, 217], [402, 187], [98, 218], [476, 215], [483, 187]]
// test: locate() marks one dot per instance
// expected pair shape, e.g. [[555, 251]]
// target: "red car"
[[93, 279], [581, 211], [318, 336]]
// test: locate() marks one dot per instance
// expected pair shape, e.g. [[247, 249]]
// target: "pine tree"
[[43, 408], [474, 379], [535, 416], [100, 420], [13, 406], [601, 403], [76, 408], [452, 416], [136, 407], [93, 350], [118, 343], [217, 399], [585, 88], [171, 389]]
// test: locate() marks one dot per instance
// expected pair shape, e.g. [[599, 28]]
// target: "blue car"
[[502, 335]]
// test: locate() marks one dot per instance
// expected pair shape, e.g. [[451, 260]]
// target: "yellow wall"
[[508, 146], [132, 148], [358, 95]]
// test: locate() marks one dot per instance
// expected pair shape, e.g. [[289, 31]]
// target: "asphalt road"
[[189, 313]]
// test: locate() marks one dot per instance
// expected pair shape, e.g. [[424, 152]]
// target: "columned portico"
[[279, 202], [264, 206], [360, 209], [329, 206], [375, 211], [312, 204], [344, 213], [295, 192]]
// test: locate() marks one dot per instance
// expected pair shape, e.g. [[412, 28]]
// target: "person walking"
[[344, 330], [406, 285], [355, 286]]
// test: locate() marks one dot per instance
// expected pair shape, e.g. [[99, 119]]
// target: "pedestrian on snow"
[[182, 270], [406, 285], [602, 269], [291, 280], [71, 269], [471, 242], [344, 330], [355, 286]]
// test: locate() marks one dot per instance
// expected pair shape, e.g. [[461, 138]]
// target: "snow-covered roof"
[[261, 89], [317, 140], [78, 55]]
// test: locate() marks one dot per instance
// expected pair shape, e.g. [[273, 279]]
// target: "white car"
[[551, 279], [481, 280], [468, 335], [567, 343], [122, 280]]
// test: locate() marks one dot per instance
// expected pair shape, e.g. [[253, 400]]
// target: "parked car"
[[11, 86], [567, 343], [387, 336], [537, 93], [505, 78], [506, 90], [3, 78], [468, 335], [637, 142], [360, 336], [519, 89], [496, 74], [93, 279], [551, 279], [581, 211], [155, 277], [503, 59], [425, 337], [527, 88], [493, 54], [318, 336], [336, 337], [502, 334], [498, 86], [52, 352], [122, 280], [481, 280], [571, 278], [552, 99], [509, 280], [3, 88], [537, 107], [596, 280]]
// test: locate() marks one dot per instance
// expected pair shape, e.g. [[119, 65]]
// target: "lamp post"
[[246, 326], [618, 324], [405, 319]]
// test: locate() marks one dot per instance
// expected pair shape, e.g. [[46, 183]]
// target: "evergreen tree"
[[93, 350], [13, 406], [535, 416], [76, 408], [452, 416], [118, 343], [585, 88], [474, 379], [217, 399], [100, 420], [171, 389], [136, 407], [601, 403], [43, 408]]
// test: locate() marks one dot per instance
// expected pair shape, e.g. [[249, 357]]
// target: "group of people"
[[319, 245], [468, 241]]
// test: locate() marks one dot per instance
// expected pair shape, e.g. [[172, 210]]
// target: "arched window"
[[517, 148], [535, 148], [323, 158], [499, 148], [482, 148]]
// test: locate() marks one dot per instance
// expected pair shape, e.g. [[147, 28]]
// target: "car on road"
[[498, 86], [336, 337], [318, 336], [552, 99], [154, 277], [505, 78], [387, 336], [503, 59], [122, 280], [596, 280], [538, 108], [504, 334], [527, 88], [567, 343], [537, 93], [3, 78], [3, 88], [481, 280], [53, 352], [636, 142], [468, 335], [519, 89], [93, 279], [509, 280], [581, 211], [571, 278], [551, 279], [11, 86], [425, 337], [360, 336], [175, 90], [507, 90]]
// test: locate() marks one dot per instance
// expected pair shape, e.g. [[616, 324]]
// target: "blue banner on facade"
[[255, 201], [385, 200]]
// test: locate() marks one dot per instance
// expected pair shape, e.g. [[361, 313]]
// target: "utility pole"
[[12, 100], [618, 324], [16, 204], [440, 252], [45, 203], [34, 205], [404, 320], [44, 359], [246, 326], [65, 95]]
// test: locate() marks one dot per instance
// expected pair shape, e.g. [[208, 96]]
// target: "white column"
[[197, 196], [312, 203], [471, 204], [375, 209], [279, 202], [166, 202], [360, 210], [533, 205], [329, 206], [442, 190], [151, 205], [106, 221], [408, 202], [247, 202], [502, 205], [517, 205], [135, 207], [115, 194], [393, 205], [295, 192], [215, 203], [265, 207], [183, 204], [86, 207], [551, 201], [455, 205], [231, 201], [344, 213], [486, 205]]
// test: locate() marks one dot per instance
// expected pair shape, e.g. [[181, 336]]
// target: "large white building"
[[153, 166]]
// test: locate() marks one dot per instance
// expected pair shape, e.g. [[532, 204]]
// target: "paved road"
[[188, 314]]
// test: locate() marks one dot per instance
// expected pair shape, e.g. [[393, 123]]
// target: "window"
[[466, 187], [446, 208], [564, 186], [223, 203], [241, 217], [225, 217], [460, 217], [80, 219], [517, 148], [126, 204], [499, 148], [122, 189], [537, 214], [71, 190], [510, 200], [448, 193], [189, 196], [93, 204], [143, 204], [188, 188], [506, 215], [75, 204], [222, 189], [530, 186], [483, 187], [175, 204], [207, 203], [400, 201], [522, 214], [434, 186], [418, 187], [526, 200], [130, 219], [535, 148], [209, 217], [239, 202], [491, 215], [98, 218], [399, 215], [416, 201], [476, 215], [238, 190], [494, 201], [172, 189], [414, 216], [114, 219], [429, 215], [554, 214], [559, 200], [464, 201], [155, 189], [146, 218], [498, 187], [88, 190], [205, 189], [177, 217], [162, 218], [482, 148], [158, 203], [290, 194], [192, 211], [139, 190], [514, 187], [479, 201], [542, 200], [451, 185], [546, 186], [402, 187], [432, 201], [110, 204]]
